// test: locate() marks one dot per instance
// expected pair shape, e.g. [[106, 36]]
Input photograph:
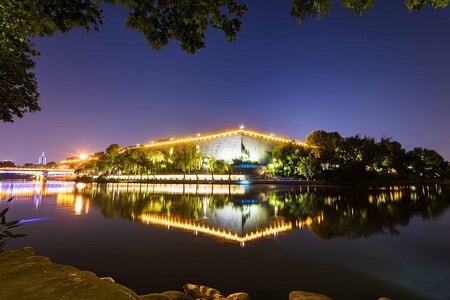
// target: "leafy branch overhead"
[[316, 9], [185, 21], [160, 21]]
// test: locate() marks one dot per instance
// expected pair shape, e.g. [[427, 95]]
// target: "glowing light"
[[241, 131], [32, 220], [83, 156], [241, 126], [32, 188], [80, 185], [310, 220], [198, 189], [273, 229], [78, 205]]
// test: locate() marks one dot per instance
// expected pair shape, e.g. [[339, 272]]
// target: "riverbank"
[[250, 180], [196, 179], [27, 276]]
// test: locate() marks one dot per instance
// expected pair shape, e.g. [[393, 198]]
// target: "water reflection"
[[241, 214], [66, 194]]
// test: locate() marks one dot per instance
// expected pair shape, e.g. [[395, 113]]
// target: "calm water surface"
[[348, 243]]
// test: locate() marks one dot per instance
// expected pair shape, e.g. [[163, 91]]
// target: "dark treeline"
[[330, 156]]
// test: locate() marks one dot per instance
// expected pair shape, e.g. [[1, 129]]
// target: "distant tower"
[[42, 159]]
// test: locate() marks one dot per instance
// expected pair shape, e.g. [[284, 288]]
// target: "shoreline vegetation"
[[175, 179], [324, 158], [242, 180]]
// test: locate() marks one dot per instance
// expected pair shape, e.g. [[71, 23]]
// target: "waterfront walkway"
[[202, 179]]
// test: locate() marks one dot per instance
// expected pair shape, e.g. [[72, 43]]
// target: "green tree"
[[212, 165], [156, 159], [309, 167], [356, 156], [286, 159], [18, 87], [282, 160], [109, 162], [390, 158], [324, 146], [222, 167], [131, 161], [188, 159], [160, 22], [303, 9], [427, 163]]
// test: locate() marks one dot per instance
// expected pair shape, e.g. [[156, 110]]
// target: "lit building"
[[228, 145], [241, 144], [42, 159]]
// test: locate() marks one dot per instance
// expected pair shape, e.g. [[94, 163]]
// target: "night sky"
[[386, 73]]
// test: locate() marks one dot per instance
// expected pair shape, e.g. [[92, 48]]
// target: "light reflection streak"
[[274, 229], [32, 188], [33, 220], [179, 189], [78, 205]]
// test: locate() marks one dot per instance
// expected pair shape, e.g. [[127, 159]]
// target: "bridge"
[[39, 173]]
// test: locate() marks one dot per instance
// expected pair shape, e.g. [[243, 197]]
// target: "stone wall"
[[258, 148], [226, 148], [230, 147]]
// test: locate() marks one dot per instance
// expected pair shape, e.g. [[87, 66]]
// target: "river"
[[345, 242]]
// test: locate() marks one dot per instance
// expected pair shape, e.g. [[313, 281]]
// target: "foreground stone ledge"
[[299, 295], [23, 275]]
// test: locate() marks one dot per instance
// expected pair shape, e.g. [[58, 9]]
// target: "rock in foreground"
[[26, 276], [300, 295]]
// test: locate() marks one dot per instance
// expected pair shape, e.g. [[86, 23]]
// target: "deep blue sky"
[[384, 73]]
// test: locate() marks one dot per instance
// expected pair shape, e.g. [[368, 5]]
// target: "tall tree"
[[427, 163], [390, 158], [108, 162], [188, 158], [324, 145]]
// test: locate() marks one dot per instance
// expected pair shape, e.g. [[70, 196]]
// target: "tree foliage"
[[143, 160], [317, 9], [160, 22], [6, 227], [183, 20], [18, 86], [188, 159], [356, 158]]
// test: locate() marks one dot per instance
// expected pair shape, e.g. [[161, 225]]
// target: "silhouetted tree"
[[427, 163]]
